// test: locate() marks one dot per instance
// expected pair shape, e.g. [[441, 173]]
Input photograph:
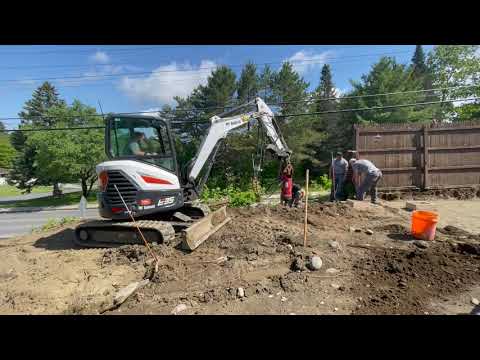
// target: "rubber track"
[[164, 228]]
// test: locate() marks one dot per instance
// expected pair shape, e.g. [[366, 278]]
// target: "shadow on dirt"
[[61, 240], [400, 237]]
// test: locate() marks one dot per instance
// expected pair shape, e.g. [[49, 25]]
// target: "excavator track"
[[104, 234], [198, 226]]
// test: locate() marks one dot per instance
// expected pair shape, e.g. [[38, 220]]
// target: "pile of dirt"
[[133, 254], [464, 193], [393, 281]]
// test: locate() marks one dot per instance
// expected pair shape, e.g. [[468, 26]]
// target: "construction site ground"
[[261, 251]]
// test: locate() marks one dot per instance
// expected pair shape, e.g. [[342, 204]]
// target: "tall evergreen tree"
[[43, 98], [248, 84], [33, 115], [290, 89], [418, 61], [266, 83], [328, 125]]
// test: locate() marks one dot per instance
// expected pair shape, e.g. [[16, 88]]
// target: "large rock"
[[124, 293], [315, 263]]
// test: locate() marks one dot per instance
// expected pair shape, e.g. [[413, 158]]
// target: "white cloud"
[[305, 61], [100, 73], [167, 81], [100, 57]]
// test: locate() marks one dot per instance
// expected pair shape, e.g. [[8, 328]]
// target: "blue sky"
[[157, 73]]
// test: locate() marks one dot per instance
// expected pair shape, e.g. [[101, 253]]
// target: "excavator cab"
[[141, 138]]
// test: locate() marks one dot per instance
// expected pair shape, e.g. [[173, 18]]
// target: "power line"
[[120, 64], [275, 103], [379, 107], [155, 73], [75, 51], [375, 95], [289, 115]]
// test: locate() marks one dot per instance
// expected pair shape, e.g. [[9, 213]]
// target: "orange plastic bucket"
[[424, 224]]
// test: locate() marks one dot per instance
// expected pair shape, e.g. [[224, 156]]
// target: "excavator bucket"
[[202, 229]]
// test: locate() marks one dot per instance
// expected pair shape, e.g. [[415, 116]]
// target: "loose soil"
[[465, 193], [260, 251]]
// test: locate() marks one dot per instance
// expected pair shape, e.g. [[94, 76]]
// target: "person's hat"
[[339, 153]]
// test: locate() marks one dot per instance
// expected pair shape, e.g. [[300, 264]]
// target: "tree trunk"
[[56, 190], [84, 188]]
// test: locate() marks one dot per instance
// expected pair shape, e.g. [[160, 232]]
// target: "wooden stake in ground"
[[154, 256], [306, 211]]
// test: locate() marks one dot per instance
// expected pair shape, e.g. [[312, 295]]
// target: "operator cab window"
[[144, 139]]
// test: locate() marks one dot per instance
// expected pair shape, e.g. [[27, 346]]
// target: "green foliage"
[[289, 88], [7, 152], [248, 84], [8, 190], [453, 66], [34, 114], [235, 196], [65, 199], [52, 224], [69, 156]]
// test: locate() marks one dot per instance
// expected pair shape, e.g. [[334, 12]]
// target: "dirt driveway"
[[255, 265], [459, 213]]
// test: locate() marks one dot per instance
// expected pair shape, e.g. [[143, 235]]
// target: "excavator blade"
[[201, 230]]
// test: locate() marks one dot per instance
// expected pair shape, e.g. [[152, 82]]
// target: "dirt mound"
[[394, 281], [133, 254], [466, 193]]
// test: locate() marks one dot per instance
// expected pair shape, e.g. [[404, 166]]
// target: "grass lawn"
[[67, 199], [7, 190]]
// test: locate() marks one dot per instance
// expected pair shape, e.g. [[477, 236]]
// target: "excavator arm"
[[223, 124]]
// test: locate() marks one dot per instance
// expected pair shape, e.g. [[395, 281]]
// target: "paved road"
[[22, 223]]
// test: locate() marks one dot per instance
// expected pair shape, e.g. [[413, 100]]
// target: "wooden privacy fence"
[[422, 156]]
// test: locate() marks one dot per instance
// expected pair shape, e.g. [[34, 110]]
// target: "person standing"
[[348, 184], [287, 185], [339, 167], [370, 173]]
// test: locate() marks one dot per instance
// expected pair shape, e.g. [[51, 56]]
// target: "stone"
[[475, 301], [315, 263], [421, 244], [335, 309], [322, 303], [334, 244], [283, 299], [124, 293], [270, 296], [335, 286], [352, 229], [240, 292], [298, 265], [332, 271], [179, 308], [369, 232]]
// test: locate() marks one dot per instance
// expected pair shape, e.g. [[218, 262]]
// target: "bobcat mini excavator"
[[149, 185]]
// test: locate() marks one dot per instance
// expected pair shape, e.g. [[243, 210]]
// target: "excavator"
[[145, 190]]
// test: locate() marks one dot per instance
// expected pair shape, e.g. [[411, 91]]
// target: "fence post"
[[426, 162], [357, 138]]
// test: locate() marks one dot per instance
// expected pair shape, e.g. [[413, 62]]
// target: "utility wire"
[[156, 73], [289, 115], [276, 103], [110, 51]]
